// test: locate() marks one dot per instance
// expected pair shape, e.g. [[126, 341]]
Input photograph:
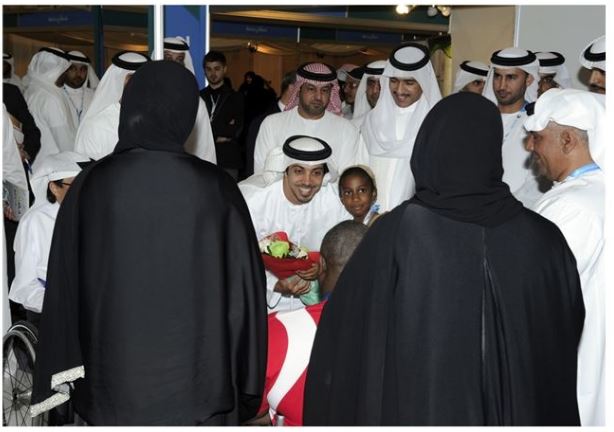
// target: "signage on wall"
[[55, 19], [369, 37], [253, 30]]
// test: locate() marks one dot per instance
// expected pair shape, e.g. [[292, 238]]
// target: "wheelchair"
[[18, 355]]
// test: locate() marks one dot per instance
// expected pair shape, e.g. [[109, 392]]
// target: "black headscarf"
[[159, 107], [155, 298], [457, 162]]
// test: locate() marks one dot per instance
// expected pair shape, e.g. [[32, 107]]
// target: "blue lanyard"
[[584, 169]]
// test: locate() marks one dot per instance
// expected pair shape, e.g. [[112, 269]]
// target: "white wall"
[[565, 29]]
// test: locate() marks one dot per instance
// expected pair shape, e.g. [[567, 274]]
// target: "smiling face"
[[405, 92], [302, 182], [547, 153], [357, 195]]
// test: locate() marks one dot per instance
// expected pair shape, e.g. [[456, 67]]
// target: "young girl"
[[358, 193]]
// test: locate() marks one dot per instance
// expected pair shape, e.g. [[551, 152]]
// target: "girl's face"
[[357, 196]]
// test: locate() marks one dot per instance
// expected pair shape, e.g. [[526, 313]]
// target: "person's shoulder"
[[10, 90], [584, 195]]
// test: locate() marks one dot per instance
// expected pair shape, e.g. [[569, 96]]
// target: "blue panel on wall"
[[190, 23], [253, 29], [368, 37], [59, 19]]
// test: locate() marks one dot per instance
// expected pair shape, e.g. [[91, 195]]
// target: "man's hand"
[[311, 274], [292, 286]]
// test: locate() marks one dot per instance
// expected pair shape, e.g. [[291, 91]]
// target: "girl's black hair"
[[357, 171]]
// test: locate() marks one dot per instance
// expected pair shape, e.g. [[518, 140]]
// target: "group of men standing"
[[395, 122]]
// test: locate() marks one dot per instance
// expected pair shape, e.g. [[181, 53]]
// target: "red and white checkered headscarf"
[[308, 73]]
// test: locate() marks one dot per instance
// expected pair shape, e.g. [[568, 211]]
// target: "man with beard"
[[460, 307], [314, 109], [226, 111], [75, 86], [552, 71], [511, 84], [593, 58], [350, 86], [408, 91], [48, 103], [297, 197], [565, 138]]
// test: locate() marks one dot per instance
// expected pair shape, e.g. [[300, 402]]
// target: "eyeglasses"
[[350, 85], [66, 184]]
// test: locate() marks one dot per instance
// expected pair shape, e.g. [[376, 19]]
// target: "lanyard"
[[584, 169], [78, 111]]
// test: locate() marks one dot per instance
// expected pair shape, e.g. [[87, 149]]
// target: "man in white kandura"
[[511, 84], [567, 138], [408, 91], [200, 142], [299, 199], [314, 110], [48, 104], [97, 135]]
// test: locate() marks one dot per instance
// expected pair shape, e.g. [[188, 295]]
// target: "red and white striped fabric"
[[291, 336], [334, 105]]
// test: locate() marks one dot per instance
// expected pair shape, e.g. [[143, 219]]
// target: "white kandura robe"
[[98, 134], [339, 134], [32, 245], [79, 100], [305, 224], [51, 113], [576, 206], [200, 143], [517, 171], [393, 176]]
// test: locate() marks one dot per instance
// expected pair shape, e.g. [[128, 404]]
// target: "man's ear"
[[322, 264], [568, 141], [530, 79]]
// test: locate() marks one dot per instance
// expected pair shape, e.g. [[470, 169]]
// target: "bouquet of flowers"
[[284, 258]]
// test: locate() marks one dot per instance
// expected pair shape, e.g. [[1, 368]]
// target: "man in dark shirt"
[[225, 107]]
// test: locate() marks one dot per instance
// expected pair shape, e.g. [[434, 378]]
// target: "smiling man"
[[299, 199], [511, 84], [568, 146], [408, 91]]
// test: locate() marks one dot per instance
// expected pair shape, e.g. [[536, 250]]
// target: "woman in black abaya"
[[155, 304], [459, 307]]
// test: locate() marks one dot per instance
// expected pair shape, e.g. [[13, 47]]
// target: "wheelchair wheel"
[[17, 375]]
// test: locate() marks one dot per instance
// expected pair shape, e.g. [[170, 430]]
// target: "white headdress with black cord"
[[468, 71], [593, 56], [407, 61], [510, 58], [77, 57], [301, 150], [577, 108], [551, 62], [373, 69], [178, 44]]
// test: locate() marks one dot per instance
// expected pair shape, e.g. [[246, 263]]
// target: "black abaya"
[[155, 283]]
